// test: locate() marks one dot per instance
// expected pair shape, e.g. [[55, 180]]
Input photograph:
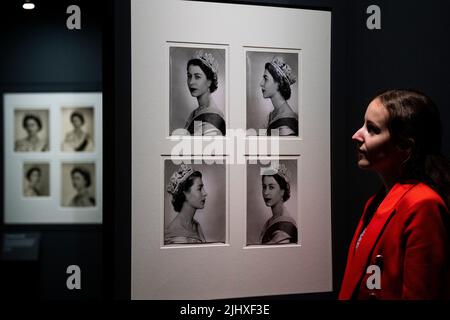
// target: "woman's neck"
[[204, 100], [389, 179], [278, 102], [83, 191], [186, 216], [33, 137], [278, 210]]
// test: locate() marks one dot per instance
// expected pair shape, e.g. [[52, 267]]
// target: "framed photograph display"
[[272, 66], [52, 158]]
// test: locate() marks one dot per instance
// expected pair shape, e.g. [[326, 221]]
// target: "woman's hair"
[[77, 114], [30, 172], [85, 173], [210, 75], [284, 185], [283, 85], [31, 117], [413, 115], [179, 197]]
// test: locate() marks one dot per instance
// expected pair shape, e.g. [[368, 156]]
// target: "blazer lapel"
[[357, 263]]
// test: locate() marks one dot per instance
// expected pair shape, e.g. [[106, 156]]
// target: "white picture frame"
[[50, 209]]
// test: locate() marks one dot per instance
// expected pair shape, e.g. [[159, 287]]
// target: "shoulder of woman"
[[422, 194], [280, 236], [285, 131], [175, 240]]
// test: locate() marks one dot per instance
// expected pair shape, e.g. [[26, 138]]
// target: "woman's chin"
[[363, 164]]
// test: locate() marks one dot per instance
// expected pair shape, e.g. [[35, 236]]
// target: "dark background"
[[38, 53]]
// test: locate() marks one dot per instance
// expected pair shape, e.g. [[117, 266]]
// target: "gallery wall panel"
[[52, 158], [297, 43]]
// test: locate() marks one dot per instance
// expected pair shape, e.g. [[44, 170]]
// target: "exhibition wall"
[[39, 54]]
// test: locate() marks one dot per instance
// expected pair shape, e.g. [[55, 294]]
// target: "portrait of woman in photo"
[[270, 88], [81, 181], [32, 142], [272, 203], [404, 228], [281, 228], [78, 139], [36, 180], [201, 83], [188, 195], [276, 85]]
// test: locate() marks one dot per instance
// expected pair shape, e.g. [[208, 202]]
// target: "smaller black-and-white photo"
[[272, 93], [272, 203], [197, 91], [36, 179], [78, 185], [31, 130], [194, 203], [77, 125]]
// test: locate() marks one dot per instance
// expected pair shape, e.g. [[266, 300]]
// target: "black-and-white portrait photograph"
[[272, 93], [36, 179], [78, 185], [272, 203], [194, 203], [31, 130], [77, 126], [197, 91]]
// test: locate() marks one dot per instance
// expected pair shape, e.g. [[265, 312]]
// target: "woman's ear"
[[406, 146]]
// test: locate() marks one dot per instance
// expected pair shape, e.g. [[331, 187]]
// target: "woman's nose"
[[358, 136], [261, 84]]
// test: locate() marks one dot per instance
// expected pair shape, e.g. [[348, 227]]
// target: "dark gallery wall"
[[39, 54], [411, 50]]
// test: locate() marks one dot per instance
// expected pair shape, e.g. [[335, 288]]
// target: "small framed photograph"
[[194, 202], [273, 92], [78, 185], [272, 202], [31, 130], [197, 91], [77, 125], [36, 180]]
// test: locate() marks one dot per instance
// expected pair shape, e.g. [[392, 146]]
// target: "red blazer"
[[409, 234]]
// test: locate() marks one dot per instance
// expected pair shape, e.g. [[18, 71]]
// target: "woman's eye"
[[373, 129]]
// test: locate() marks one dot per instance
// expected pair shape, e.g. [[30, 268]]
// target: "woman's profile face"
[[77, 122], [268, 85], [197, 81], [375, 148], [31, 126], [78, 181], [35, 177], [271, 191], [196, 196]]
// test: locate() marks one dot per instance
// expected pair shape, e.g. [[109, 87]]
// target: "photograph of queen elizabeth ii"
[[194, 203], [272, 203], [31, 130], [272, 93], [197, 91], [77, 125], [36, 179], [78, 185]]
